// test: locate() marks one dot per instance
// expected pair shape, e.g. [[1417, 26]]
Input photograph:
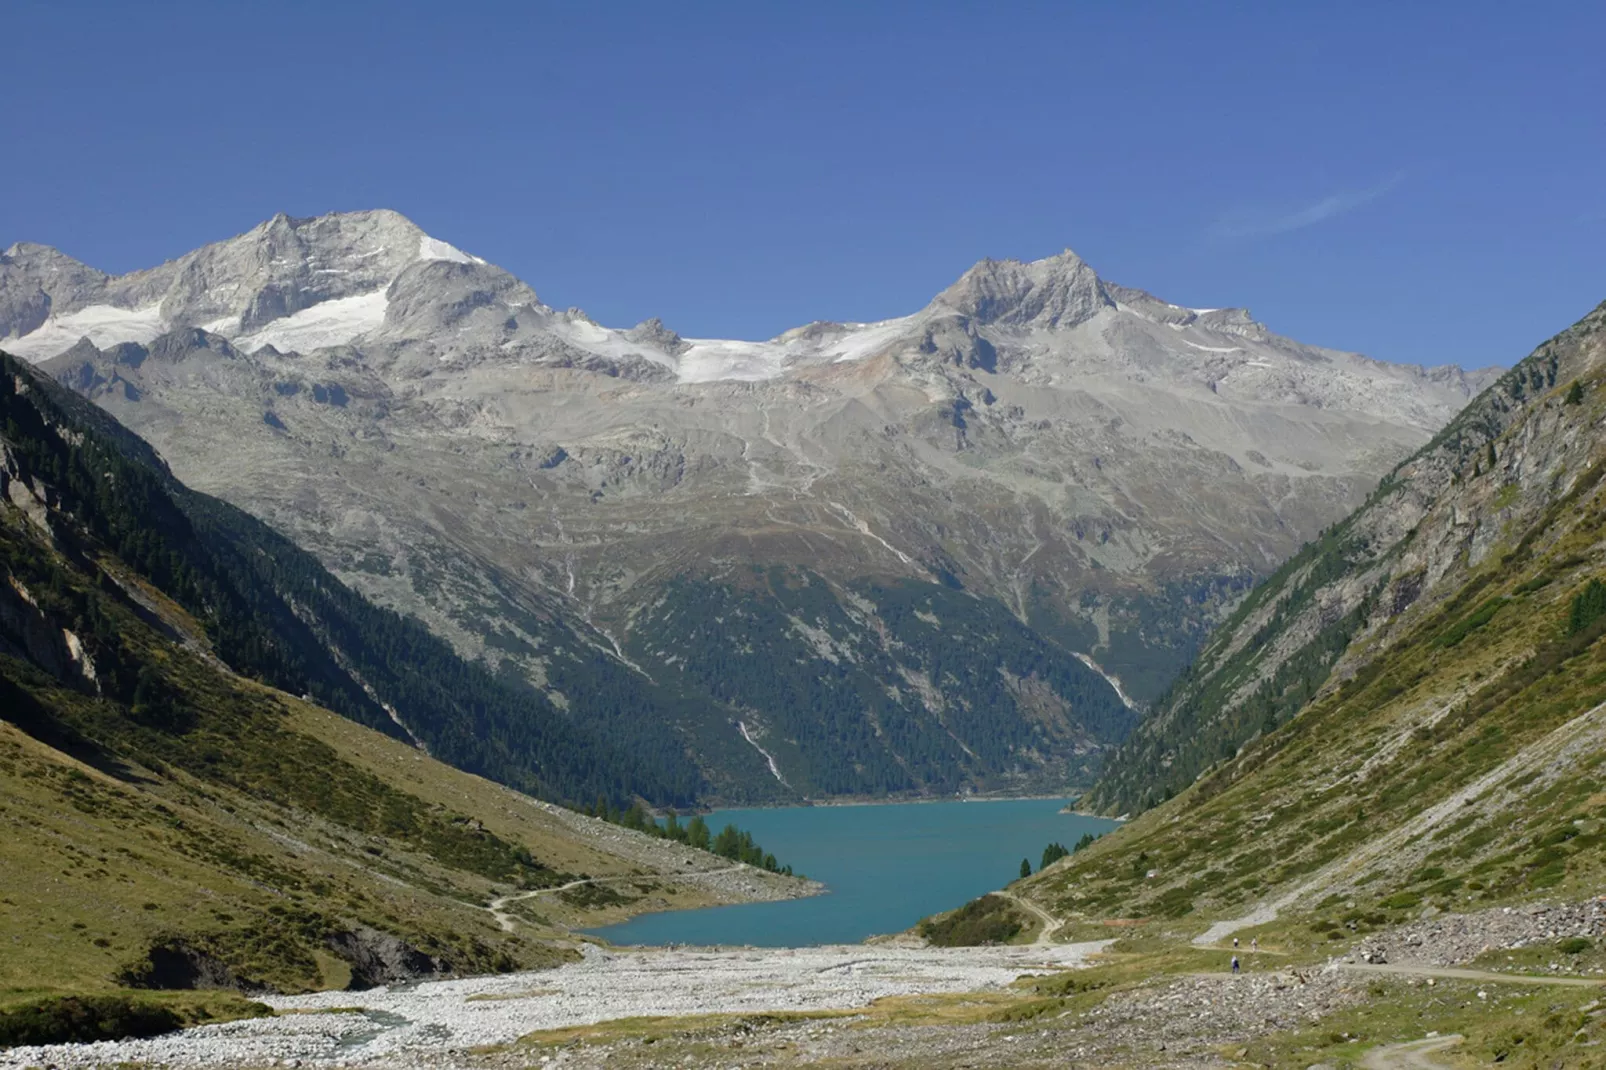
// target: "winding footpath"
[[1455, 973], [498, 906], [1413, 1055], [1051, 924]]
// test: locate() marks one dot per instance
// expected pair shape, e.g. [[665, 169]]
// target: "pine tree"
[[728, 844], [1575, 393], [1025, 868], [1588, 606], [697, 833]]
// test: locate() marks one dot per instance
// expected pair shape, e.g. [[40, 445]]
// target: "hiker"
[[1235, 964], [1235, 943], [1254, 943]]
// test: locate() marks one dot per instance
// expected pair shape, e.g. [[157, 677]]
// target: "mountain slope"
[[1110, 470], [1342, 593], [273, 612], [1417, 702], [171, 824]]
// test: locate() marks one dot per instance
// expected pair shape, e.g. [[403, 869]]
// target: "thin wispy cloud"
[[1262, 221]]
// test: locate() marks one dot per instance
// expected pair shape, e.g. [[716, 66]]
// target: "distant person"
[[1254, 943], [1235, 964], [1235, 943]]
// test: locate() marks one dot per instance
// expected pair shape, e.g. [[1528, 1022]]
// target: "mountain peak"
[[1058, 291]]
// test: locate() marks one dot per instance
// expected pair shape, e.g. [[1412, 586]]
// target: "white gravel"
[[387, 1026]]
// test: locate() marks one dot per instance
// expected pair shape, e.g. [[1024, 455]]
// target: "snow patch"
[[865, 339], [104, 325], [711, 359], [435, 249], [328, 323], [1214, 349], [605, 342]]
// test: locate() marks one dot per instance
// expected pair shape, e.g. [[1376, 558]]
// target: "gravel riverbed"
[[423, 1023]]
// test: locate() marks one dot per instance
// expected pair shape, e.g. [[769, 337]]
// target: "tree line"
[[730, 842]]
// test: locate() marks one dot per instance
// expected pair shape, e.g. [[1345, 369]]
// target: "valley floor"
[[438, 1022], [1455, 990]]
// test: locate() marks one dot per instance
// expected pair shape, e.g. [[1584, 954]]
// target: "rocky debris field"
[[437, 1022], [1185, 1023], [762, 998], [1456, 939]]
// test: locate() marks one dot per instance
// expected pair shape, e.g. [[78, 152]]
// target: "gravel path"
[[1051, 924], [428, 1021], [1414, 1055], [1469, 975], [710, 878]]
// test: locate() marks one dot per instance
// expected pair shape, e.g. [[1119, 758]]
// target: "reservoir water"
[[886, 867]]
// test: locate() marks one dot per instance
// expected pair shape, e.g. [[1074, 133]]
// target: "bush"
[[82, 1019], [1574, 945], [988, 920], [1401, 901], [1458, 631], [1588, 606]]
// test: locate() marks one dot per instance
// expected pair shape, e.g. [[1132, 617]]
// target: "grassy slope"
[[254, 831], [1465, 682], [96, 867], [1276, 651]]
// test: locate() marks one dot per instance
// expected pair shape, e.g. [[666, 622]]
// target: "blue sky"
[[1420, 182]]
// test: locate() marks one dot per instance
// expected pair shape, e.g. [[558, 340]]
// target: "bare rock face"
[[1106, 470], [1061, 291]]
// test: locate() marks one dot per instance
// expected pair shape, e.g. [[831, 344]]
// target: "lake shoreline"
[[920, 800], [884, 867]]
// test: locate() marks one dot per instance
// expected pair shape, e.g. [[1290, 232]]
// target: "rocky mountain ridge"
[[1344, 599], [1409, 718], [1107, 469]]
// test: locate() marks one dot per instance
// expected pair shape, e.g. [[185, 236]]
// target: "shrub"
[[988, 920], [1401, 901], [82, 1019], [1574, 945], [1588, 606], [1458, 631]]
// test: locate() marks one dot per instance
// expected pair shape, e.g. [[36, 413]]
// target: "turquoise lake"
[[887, 866]]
